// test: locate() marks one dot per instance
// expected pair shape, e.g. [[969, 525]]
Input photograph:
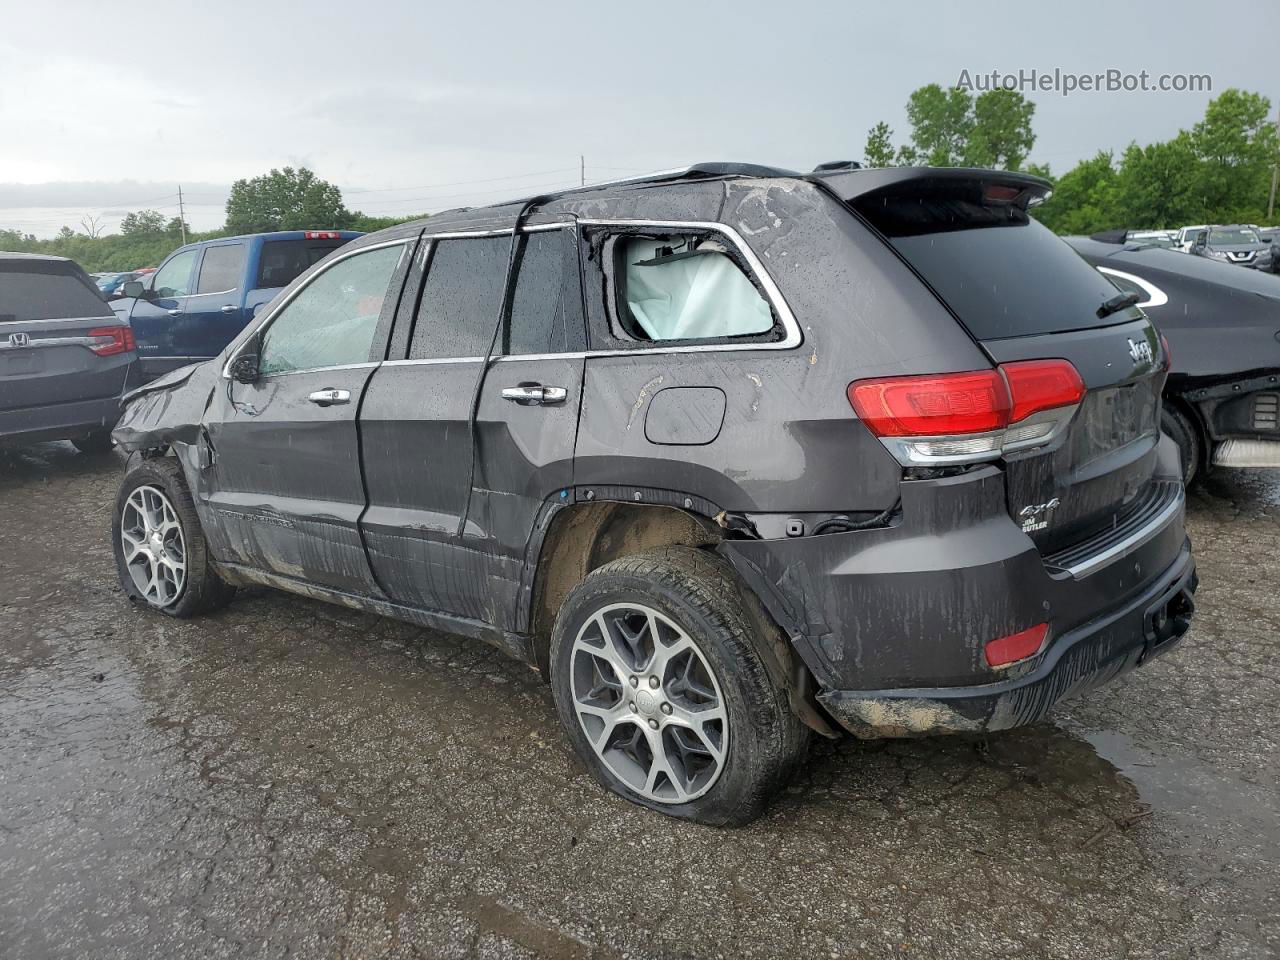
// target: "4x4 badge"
[[1030, 515], [1140, 350]]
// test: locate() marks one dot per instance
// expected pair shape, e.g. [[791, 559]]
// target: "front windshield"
[[1232, 235]]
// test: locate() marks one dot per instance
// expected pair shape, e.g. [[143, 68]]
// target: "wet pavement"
[[287, 778]]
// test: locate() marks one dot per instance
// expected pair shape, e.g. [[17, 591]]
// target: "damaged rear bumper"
[[1093, 654]]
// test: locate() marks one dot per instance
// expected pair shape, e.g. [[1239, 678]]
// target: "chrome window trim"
[[111, 318], [793, 336], [251, 330], [212, 293], [340, 366]]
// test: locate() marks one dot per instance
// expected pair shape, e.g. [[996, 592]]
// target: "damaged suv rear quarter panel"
[[840, 283]]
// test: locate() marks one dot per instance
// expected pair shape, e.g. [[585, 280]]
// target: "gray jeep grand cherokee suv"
[[729, 455]]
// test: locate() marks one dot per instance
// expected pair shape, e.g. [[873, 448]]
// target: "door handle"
[[174, 313], [328, 397], [534, 394], [229, 308]]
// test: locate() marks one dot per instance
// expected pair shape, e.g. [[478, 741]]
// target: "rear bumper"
[[58, 421], [899, 616], [1101, 650]]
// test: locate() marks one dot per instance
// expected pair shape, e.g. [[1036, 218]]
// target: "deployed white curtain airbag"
[[692, 297]]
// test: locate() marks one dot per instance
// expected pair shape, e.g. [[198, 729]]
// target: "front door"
[[158, 316], [414, 423], [285, 486]]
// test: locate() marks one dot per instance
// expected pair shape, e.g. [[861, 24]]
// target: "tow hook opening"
[[1168, 620]]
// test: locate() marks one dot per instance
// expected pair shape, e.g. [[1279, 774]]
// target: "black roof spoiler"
[[1110, 236], [849, 185]]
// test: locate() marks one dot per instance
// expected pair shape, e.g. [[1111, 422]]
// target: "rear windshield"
[[284, 260], [47, 290], [1002, 273]]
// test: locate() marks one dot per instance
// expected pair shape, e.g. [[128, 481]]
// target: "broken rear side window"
[[685, 287]]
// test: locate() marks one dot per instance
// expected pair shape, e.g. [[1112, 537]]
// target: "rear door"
[[159, 318], [414, 423], [59, 341], [214, 313], [1023, 294], [285, 481]]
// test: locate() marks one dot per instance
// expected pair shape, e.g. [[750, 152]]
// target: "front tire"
[[1185, 434], [659, 677], [161, 555]]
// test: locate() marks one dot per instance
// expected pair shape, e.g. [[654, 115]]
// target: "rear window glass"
[[461, 298], [282, 261], [38, 290], [1004, 274]]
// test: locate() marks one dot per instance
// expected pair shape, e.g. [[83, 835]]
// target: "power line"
[[461, 183]]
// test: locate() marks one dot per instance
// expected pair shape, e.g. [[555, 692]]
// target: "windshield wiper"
[[1117, 303]]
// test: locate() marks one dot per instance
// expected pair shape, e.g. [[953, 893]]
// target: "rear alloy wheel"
[[649, 704], [663, 675]]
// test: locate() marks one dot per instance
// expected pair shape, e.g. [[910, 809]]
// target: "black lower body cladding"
[[893, 622]]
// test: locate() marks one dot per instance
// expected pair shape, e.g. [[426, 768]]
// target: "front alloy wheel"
[[155, 552], [649, 703]]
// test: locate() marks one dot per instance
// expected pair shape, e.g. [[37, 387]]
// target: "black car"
[[729, 455], [65, 359], [1222, 398]]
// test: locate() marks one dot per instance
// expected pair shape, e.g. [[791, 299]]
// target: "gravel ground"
[[287, 778]]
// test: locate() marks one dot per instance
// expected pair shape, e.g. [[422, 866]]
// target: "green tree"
[[1083, 199], [285, 199], [1159, 186], [143, 223], [1237, 145], [1000, 135], [879, 149], [941, 121]]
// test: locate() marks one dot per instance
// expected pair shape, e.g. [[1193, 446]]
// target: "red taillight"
[[968, 417], [944, 405], [321, 235], [1017, 646], [1037, 385], [112, 340]]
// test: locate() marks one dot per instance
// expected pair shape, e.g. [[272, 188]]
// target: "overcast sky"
[[103, 109]]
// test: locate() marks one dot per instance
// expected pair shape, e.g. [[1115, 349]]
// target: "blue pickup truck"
[[203, 294]]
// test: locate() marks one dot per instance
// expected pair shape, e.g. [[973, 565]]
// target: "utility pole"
[[1275, 175], [182, 217], [582, 171]]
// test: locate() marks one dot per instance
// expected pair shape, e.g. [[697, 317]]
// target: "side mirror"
[[244, 368], [132, 288]]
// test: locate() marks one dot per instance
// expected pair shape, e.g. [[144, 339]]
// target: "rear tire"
[[1186, 435], [161, 555], [96, 442], [673, 708]]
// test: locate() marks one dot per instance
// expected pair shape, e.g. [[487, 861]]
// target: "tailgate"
[[1102, 468], [1025, 295], [59, 341]]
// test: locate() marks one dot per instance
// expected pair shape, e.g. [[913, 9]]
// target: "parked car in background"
[[1222, 398], [729, 455], [110, 283], [65, 358], [1153, 238], [1236, 244], [1185, 237], [203, 294]]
